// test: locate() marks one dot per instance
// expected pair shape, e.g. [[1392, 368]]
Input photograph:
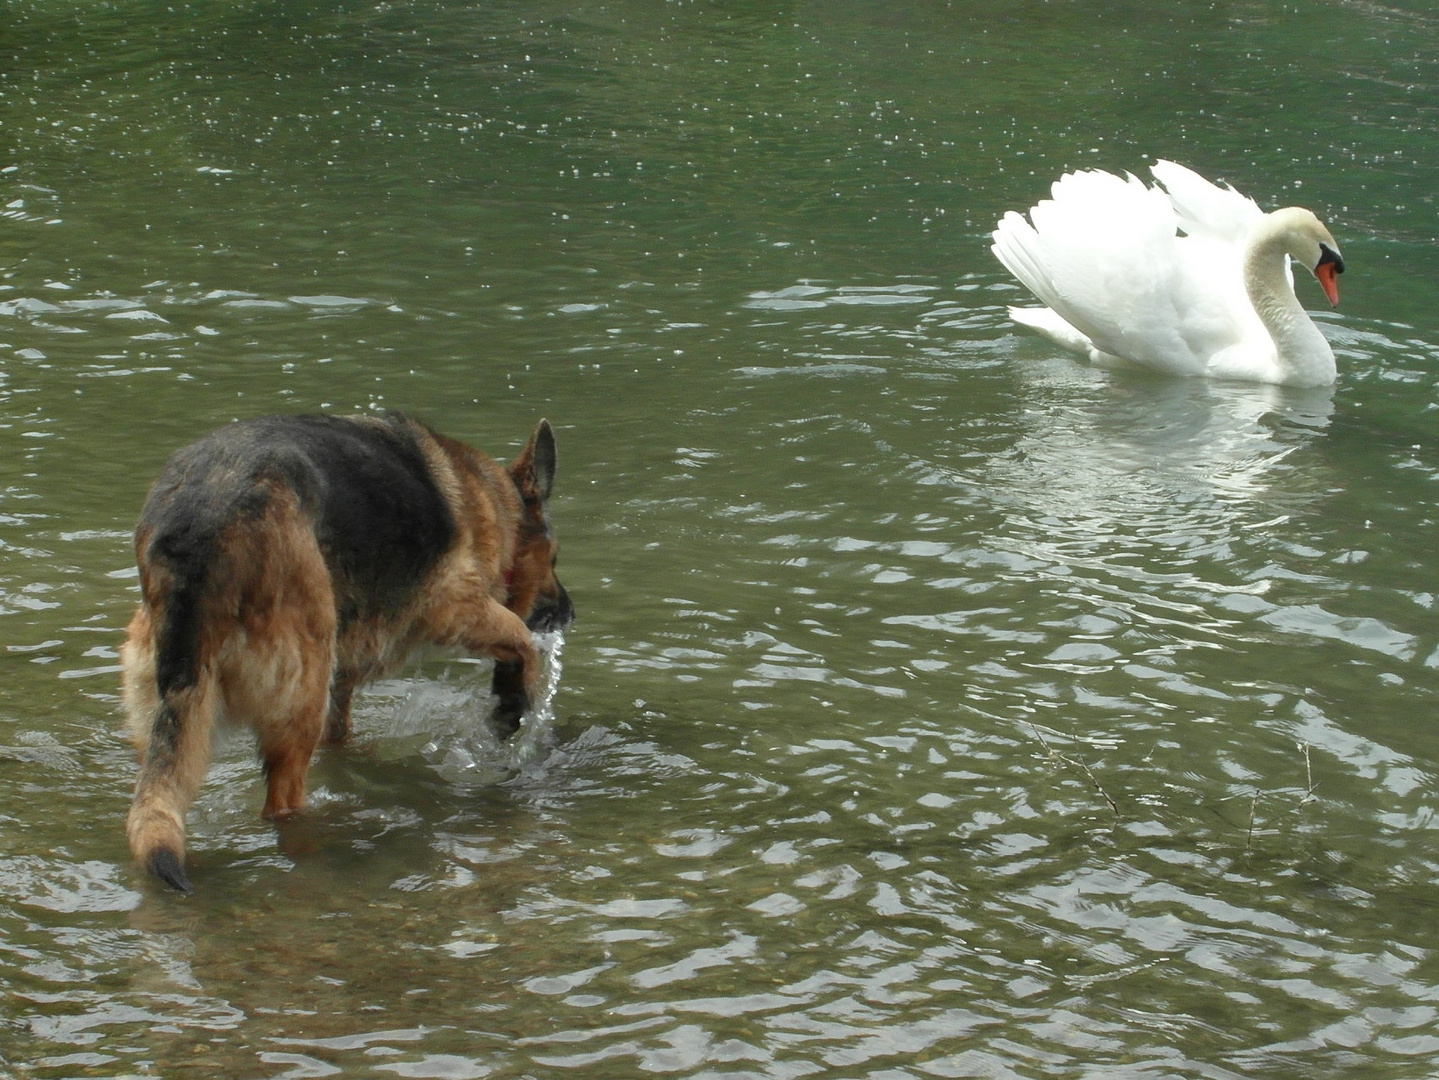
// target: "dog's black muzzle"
[[552, 612]]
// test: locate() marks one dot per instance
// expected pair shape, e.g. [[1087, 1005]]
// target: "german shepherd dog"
[[286, 560]]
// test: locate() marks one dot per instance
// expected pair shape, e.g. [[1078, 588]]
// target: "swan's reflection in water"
[[1144, 538], [1128, 460]]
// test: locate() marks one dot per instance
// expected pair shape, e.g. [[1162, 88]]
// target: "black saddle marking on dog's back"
[[380, 520]]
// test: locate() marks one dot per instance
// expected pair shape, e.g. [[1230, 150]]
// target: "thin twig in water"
[[1253, 809], [1052, 752], [1311, 785], [1040, 736], [1097, 785], [1309, 773]]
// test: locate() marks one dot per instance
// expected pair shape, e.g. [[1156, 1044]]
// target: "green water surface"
[[938, 706]]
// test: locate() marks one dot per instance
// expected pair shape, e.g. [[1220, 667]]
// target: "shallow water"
[[938, 706]]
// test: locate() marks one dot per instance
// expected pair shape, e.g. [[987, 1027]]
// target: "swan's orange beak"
[[1331, 265], [1328, 281]]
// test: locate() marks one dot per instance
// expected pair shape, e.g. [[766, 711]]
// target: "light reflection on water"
[[990, 751], [937, 706]]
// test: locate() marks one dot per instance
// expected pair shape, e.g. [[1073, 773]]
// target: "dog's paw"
[[508, 713]]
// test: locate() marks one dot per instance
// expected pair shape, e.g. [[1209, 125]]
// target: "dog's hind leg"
[[287, 762], [278, 677], [337, 723], [286, 691]]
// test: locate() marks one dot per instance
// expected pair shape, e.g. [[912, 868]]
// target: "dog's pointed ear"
[[534, 469]]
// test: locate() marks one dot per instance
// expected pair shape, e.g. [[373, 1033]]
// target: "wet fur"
[[284, 561]]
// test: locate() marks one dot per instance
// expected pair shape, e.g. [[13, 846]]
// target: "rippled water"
[[938, 706]]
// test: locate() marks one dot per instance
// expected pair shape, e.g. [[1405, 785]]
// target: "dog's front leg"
[[509, 686], [494, 630], [517, 668]]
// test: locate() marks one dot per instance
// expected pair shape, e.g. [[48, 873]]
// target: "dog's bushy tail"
[[175, 749]]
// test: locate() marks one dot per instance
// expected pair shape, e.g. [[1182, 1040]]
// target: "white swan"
[[1124, 289]]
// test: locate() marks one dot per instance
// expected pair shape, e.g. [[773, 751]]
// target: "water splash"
[[473, 754]]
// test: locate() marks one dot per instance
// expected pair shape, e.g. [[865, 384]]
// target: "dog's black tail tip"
[[166, 865]]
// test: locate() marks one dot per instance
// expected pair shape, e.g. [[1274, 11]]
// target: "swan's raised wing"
[[1103, 253], [1205, 209]]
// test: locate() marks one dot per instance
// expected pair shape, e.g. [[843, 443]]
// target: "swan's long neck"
[[1303, 354]]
